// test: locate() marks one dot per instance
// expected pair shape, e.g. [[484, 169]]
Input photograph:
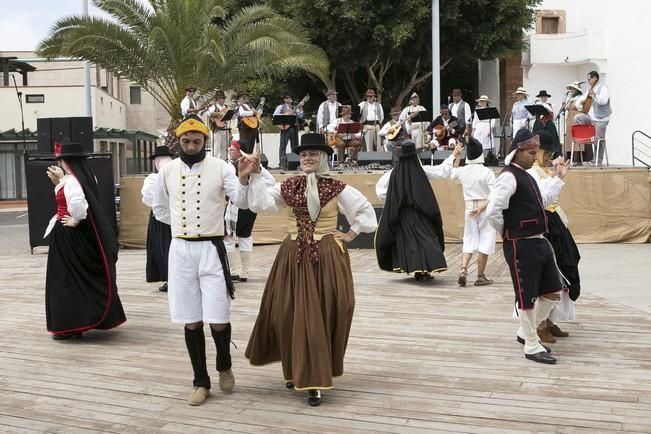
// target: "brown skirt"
[[305, 315]]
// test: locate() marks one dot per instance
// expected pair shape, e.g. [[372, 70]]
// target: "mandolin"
[[395, 130], [254, 120], [588, 100], [301, 103]]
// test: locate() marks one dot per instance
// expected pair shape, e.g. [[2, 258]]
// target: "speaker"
[[52, 130], [293, 161], [81, 131], [264, 161], [363, 241], [60, 129], [439, 156], [44, 128], [365, 158], [40, 192]]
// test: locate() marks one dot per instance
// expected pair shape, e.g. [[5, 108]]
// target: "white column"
[[89, 111], [436, 57]]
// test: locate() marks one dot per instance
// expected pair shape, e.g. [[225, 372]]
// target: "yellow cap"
[[192, 125]]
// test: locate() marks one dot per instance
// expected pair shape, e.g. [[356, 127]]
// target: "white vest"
[[197, 197]]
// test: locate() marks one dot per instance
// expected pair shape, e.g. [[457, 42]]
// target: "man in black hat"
[[516, 209], [248, 120], [410, 234], [188, 104], [221, 131], [159, 234], [288, 133]]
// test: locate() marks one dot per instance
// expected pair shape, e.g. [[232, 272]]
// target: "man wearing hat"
[[239, 222], [478, 236], [482, 130], [546, 122], [417, 127], [516, 209], [247, 134], [583, 152], [371, 116], [188, 103], [519, 113], [328, 111], [460, 110], [345, 140], [288, 133], [221, 131], [391, 126], [190, 197], [599, 112], [159, 234]]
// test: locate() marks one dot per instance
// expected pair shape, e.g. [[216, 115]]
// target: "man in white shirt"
[[188, 104], [519, 114], [460, 110], [288, 133], [328, 111], [390, 127], [516, 209], [371, 116], [418, 132], [248, 115], [345, 140], [221, 131], [599, 112]]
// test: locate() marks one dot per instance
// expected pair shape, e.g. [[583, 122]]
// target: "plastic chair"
[[586, 134]]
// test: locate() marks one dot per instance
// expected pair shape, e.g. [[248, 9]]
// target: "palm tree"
[[168, 44]]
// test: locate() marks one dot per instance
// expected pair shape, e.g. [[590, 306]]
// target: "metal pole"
[[89, 111], [436, 56]]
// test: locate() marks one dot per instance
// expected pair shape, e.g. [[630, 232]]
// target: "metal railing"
[[641, 148]]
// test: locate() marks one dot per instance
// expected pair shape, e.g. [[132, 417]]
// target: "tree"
[[168, 44]]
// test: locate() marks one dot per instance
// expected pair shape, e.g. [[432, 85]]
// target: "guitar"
[[216, 117], [588, 100], [441, 132], [253, 121], [395, 130], [292, 111]]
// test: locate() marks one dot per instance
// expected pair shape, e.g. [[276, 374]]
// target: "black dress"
[[159, 238], [410, 233], [80, 290], [566, 252]]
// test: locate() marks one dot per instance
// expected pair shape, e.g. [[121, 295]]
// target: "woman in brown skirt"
[[308, 301]]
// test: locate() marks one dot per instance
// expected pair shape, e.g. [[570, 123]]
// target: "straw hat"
[[520, 90], [483, 98]]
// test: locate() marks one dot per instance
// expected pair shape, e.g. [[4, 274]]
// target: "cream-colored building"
[[126, 119]]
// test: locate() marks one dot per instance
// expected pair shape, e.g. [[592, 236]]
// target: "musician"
[[188, 103], [371, 115], [546, 122], [460, 110], [221, 132], [348, 140], [328, 111], [582, 152], [600, 110], [390, 127], [445, 130], [418, 132], [247, 134], [482, 129], [288, 133], [519, 114]]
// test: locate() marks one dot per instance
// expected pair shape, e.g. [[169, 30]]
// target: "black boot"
[[195, 341], [223, 343]]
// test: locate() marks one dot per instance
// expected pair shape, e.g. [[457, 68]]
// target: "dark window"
[[34, 99], [134, 95], [550, 25]]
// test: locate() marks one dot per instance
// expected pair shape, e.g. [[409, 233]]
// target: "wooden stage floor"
[[422, 357]]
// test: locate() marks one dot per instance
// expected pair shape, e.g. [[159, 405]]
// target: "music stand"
[[537, 110], [348, 130], [422, 116], [488, 113], [284, 120]]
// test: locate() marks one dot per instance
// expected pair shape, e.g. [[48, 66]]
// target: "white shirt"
[[482, 130], [504, 188], [187, 103], [601, 97], [476, 179], [385, 128], [75, 201], [454, 110], [246, 110], [409, 110], [332, 108], [148, 190], [371, 114], [350, 202], [440, 171], [230, 217]]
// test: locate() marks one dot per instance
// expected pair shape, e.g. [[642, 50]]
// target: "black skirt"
[[245, 222], [80, 289], [159, 238], [566, 252], [415, 244]]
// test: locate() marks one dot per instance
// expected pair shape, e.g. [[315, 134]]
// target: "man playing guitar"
[[444, 129], [343, 141], [288, 133], [247, 124], [221, 131]]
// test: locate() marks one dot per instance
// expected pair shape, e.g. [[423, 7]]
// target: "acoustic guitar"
[[440, 132], [395, 131], [292, 111], [254, 120]]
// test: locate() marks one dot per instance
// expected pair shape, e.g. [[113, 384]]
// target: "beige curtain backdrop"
[[603, 206]]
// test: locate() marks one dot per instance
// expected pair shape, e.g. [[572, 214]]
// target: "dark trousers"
[[289, 135]]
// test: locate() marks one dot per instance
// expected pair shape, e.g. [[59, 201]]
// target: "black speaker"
[[81, 131], [60, 129], [439, 156], [293, 161], [365, 158], [264, 161], [363, 241], [44, 127], [40, 192]]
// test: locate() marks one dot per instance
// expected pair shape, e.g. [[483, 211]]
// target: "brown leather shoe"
[[546, 336], [554, 330]]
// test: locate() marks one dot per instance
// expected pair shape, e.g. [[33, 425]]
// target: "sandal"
[[463, 276], [483, 281]]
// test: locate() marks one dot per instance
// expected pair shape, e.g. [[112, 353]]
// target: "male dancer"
[[516, 209], [190, 197]]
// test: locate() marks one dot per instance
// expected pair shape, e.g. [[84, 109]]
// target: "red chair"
[[586, 134]]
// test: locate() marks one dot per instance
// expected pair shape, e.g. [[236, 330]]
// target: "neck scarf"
[[190, 160], [312, 190]]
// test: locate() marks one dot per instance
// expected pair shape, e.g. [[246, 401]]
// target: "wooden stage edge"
[[604, 205]]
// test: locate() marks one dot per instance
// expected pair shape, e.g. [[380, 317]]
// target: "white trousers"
[[478, 235], [196, 284], [518, 124], [419, 133], [245, 243], [220, 144]]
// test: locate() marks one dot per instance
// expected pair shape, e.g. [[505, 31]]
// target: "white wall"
[[489, 80]]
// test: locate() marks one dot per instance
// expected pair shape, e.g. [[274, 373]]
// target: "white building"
[[572, 38]]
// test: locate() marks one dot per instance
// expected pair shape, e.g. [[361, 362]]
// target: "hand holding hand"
[[474, 213], [345, 237], [457, 150]]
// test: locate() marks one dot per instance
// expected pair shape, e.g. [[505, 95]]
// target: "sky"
[[24, 23]]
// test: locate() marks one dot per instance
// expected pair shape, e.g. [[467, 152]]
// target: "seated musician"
[[444, 129], [347, 140], [390, 128]]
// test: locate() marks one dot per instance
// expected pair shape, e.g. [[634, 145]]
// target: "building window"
[[549, 25], [134, 95], [34, 99], [550, 22]]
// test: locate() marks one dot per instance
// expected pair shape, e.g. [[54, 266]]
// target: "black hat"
[[67, 149], [543, 93], [219, 94], [407, 148], [474, 149], [523, 139], [190, 88], [314, 141], [161, 151], [286, 95], [546, 140], [242, 92]]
